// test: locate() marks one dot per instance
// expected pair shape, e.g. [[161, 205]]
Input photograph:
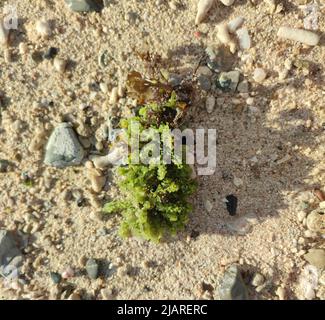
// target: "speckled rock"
[[232, 286], [63, 148], [84, 5], [229, 80]]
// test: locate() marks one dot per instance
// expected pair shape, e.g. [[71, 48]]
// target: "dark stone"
[[4, 164], [56, 277], [50, 53], [37, 56], [232, 204]]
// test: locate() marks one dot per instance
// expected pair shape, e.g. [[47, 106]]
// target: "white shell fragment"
[[223, 34], [299, 35], [4, 34], [117, 156], [227, 2], [210, 103], [43, 28], [243, 38], [225, 38], [202, 9], [60, 64], [259, 75], [235, 24]]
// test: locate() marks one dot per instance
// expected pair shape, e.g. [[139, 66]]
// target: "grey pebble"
[[204, 82], [175, 79], [84, 5], [63, 148], [232, 286], [92, 268], [56, 277], [10, 256], [229, 80]]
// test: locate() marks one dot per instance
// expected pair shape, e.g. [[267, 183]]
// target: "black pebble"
[[50, 53], [232, 204]]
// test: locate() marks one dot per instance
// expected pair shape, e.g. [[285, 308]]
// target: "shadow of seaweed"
[[261, 147]]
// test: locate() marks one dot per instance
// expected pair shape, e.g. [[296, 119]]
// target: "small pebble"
[[203, 8], [92, 268], [258, 280], [43, 28], [227, 2], [210, 103], [23, 48], [67, 273], [56, 277], [259, 75], [235, 24], [280, 292], [114, 96], [223, 34], [50, 53], [299, 35], [60, 64], [4, 34], [243, 38], [84, 5], [231, 204], [316, 257]]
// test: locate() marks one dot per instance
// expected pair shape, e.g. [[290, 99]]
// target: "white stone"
[[238, 182], [223, 34], [114, 96], [202, 9], [43, 28], [4, 34], [210, 103], [299, 35], [235, 24], [227, 2], [59, 64], [280, 292], [258, 280], [259, 75], [243, 38]]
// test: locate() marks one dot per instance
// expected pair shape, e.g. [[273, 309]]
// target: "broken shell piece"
[[210, 103], [60, 64], [202, 9], [118, 156], [235, 24], [4, 34], [43, 28], [299, 35], [227, 2], [223, 34], [243, 38]]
